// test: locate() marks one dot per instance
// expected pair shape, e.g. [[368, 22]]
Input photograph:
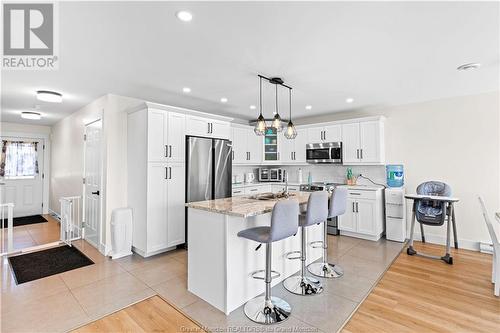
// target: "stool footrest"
[[289, 255], [317, 245], [254, 275]]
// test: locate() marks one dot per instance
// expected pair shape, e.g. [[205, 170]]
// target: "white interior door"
[[92, 187], [23, 176]]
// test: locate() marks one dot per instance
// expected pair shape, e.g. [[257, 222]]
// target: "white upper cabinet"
[[166, 132], [293, 151], [247, 147], [300, 146], [200, 126], [330, 133], [363, 142]]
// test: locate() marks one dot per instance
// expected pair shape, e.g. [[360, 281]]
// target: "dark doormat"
[[37, 265], [25, 220]]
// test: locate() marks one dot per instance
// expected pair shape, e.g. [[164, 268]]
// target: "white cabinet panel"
[[220, 129], [254, 147], [315, 135], [239, 139], [347, 221], [366, 216], [286, 149], [176, 133], [350, 143], [175, 211], [300, 146], [333, 133], [157, 208], [157, 135], [370, 142], [197, 126]]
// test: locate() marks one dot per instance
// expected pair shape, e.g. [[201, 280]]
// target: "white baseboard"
[[56, 215], [486, 248], [434, 239]]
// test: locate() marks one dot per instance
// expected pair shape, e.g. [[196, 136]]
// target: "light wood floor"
[[151, 315], [422, 295]]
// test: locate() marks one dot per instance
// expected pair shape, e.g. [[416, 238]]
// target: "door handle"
[[170, 155], [96, 192], [357, 207], [249, 155], [166, 172], [291, 155], [353, 209], [166, 151], [170, 169], [208, 131], [294, 155], [357, 154], [361, 153], [211, 128], [232, 155]]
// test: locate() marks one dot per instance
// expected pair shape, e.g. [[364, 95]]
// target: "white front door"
[[23, 174], [92, 187]]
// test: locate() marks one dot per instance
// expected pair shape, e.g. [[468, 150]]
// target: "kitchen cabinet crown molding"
[[343, 121], [151, 105]]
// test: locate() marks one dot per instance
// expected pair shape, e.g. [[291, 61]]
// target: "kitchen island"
[[220, 263]]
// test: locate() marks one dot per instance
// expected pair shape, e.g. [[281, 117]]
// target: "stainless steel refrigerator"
[[208, 169]]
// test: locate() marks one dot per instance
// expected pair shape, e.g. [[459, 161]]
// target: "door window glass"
[[19, 159]]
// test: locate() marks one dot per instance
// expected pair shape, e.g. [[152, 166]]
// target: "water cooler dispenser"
[[395, 214]]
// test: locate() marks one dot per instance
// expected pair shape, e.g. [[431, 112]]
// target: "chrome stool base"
[[262, 312], [325, 270], [304, 286]]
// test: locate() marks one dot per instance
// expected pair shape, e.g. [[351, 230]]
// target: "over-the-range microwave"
[[327, 152]]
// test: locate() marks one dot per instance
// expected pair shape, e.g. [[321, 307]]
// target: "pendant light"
[[260, 126], [276, 124], [290, 132]]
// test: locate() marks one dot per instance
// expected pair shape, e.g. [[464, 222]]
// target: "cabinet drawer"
[[252, 190], [239, 191], [394, 211], [356, 194], [293, 188]]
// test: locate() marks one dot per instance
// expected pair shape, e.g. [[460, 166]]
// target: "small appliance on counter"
[[395, 175], [271, 175]]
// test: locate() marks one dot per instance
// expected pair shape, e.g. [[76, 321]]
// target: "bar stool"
[[338, 203], [268, 309], [317, 212]]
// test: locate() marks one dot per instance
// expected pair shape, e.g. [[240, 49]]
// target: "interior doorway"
[[92, 183]]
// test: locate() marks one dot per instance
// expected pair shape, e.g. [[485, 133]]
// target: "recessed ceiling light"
[[252, 107], [472, 65], [49, 96], [184, 16], [186, 90], [309, 107], [349, 100], [31, 115], [223, 100]]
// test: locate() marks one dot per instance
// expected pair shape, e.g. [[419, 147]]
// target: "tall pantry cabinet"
[[156, 175]]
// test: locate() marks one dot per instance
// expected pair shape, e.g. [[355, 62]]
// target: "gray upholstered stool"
[[338, 203], [268, 309], [317, 212]]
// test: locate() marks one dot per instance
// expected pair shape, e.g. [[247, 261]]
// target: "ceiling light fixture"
[[276, 124], [260, 125], [186, 90], [291, 132], [184, 16], [31, 115], [472, 65], [252, 107], [308, 107], [349, 100], [223, 100], [49, 96]]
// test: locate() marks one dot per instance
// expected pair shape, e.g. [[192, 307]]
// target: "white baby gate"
[[7, 233], [71, 221]]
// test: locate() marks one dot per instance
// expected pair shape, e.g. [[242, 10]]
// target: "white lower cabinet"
[[364, 216]]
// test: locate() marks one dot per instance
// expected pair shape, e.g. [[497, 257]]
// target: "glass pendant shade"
[[276, 124], [260, 126], [290, 132]]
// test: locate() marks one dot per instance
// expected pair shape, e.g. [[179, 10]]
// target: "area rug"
[[25, 220]]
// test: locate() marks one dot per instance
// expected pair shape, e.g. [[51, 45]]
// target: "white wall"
[[455, 140]]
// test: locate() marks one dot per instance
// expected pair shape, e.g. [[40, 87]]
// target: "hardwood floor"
[[422, 295], [150, 315]]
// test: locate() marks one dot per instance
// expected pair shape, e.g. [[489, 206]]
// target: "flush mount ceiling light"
[[472, 65], [349, 100], [223, 100], [308, 107], [184, 16], [31, 115], [49, 96], [186, 90], [252, 107]]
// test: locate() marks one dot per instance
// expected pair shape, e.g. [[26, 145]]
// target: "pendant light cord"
[[290, 102], [277, 112], [260, 94]]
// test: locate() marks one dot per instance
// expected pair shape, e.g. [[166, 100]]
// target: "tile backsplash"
[[320, 173]]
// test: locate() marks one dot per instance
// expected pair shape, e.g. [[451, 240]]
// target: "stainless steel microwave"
[[328, 152], [270, 175]]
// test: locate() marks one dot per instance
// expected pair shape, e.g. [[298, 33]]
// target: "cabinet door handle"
[[357, 207], [354, 193], [208, 130], [249, 155], [361, 153], [294, 155], [353, 209], [166, 172], [232, 155], [170, 154], [170, 169], [211, 128], [166, 151], [357, 154]]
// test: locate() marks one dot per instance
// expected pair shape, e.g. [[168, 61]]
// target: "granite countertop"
[[244, 206]]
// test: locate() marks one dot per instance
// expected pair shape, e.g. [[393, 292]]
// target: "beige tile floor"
[[65, 301], [26, 236]]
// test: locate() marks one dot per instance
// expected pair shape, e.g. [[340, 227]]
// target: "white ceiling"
[[380, 54]]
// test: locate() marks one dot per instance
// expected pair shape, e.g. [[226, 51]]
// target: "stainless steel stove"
[[324, 186]]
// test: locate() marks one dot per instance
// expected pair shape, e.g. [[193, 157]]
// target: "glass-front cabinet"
[[271, 145]]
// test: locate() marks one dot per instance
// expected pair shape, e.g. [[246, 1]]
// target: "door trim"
[[46, 162]]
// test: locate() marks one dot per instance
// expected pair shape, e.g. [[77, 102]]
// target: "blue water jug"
[[395, 175]]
